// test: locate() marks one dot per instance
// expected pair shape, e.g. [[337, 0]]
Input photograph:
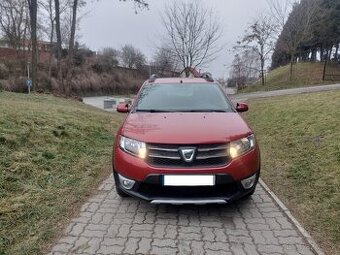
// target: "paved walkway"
[[108, 224], [294, 91]]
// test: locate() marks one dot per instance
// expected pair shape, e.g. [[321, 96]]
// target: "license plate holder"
[[189, 180]]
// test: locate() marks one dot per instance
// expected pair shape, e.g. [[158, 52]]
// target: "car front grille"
[[211, 155]]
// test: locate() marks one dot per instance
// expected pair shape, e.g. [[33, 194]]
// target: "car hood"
[[185, 128]]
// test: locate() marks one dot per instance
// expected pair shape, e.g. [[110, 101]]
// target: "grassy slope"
[[52, 152], [299, 138], [304, 74]]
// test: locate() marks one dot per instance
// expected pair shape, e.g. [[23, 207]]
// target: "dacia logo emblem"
[[187, 154]]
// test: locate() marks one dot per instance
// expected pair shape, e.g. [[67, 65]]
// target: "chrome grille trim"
[[206, 155], [212, 156], [160, 156], [212, 149], [162, 149]]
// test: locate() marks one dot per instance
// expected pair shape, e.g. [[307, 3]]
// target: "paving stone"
[[77, 229], [270, 249], [217, 246], [197, 247], [165, 243], [184, 247], [131, 246], [237, 248], [110, 249], [208, 234], [142, 233], [62, 247], [189, 236], [190, 229], [114, 241], [220, 235], [144, 246], [163, 251]]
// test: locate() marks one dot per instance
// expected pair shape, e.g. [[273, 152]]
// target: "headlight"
[[133, 147], [239, 147]]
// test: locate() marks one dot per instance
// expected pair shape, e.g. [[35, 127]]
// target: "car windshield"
[[187, 97]]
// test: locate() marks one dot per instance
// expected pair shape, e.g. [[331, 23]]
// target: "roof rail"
[[207, 77], [153, 77]]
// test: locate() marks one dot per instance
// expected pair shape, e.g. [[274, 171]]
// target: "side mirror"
[[123, 107], [241, 107]]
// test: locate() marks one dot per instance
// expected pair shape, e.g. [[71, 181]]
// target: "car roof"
[[178, 80]]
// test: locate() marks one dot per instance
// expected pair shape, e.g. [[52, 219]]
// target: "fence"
[[332, 71]]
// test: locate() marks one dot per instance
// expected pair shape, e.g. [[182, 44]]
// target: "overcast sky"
[[112, 23]]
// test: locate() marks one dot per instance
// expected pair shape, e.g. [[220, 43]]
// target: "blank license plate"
[[189, 180]]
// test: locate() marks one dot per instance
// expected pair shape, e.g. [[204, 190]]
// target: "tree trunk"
[[33, 10], [59, 49], [329, 53], [313, 56], [71, 47], [336, 58], [51, 40], [262, 73], [291, 67], [325, 66]]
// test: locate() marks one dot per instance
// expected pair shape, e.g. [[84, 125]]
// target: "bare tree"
[[298, 28], [50, 30], [279, 11], [260, 38], [139, 4], [33, 11], [14, 23], [59, 40], [245, 67], [110, 56], [132, 57], [71, 45], [164, 60], [192, 33]]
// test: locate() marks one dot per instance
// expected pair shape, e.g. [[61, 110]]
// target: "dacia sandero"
[[184, 141]]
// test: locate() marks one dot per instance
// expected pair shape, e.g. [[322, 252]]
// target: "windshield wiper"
[[150, 110], [205, 110]]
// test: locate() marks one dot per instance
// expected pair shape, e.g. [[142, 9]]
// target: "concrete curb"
[[286, 211]]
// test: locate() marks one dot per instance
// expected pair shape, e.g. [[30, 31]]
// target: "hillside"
[[300, 152], [304, 74], [53, 152]]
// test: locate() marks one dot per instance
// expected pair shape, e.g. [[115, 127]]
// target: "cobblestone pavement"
[[108, 224]]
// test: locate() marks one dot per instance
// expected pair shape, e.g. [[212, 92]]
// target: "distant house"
[[190, 72], [7, 52]]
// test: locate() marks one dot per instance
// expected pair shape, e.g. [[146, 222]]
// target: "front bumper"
[[225, 190]]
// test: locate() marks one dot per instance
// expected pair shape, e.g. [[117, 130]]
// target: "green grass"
[[304, 74], [53, 152], [299, 137]]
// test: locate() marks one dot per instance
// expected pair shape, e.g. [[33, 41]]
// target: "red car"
[[183, 141]]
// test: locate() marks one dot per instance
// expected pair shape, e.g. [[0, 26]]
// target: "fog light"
[[125, 182], [249, 182]]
